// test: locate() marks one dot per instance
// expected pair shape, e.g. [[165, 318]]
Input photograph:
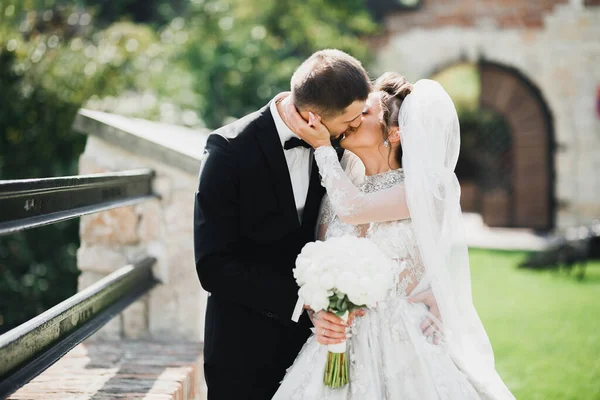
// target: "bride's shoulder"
[[353, 167]]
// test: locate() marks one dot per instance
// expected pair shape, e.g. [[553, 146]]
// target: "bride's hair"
[[394, 88]]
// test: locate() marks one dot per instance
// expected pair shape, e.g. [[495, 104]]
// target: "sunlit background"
[[524, 76]]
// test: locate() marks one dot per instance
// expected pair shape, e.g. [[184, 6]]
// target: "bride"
[[413, 215]]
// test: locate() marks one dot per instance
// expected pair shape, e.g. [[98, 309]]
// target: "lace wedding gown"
[[390, 358]]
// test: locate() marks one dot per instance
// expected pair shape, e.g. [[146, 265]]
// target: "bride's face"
[[368, 134]]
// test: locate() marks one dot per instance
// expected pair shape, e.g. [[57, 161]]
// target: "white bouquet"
[[340, 275]]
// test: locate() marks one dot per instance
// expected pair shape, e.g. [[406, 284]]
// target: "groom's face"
[[350, 119]]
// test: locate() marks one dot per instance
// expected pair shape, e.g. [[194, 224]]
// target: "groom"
[[256, 206]]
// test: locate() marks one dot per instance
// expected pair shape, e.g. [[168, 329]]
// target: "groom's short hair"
[[329, 81]]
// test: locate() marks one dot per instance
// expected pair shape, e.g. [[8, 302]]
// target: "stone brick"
[[100, 259], [88, 165], [162, 186], [161, 267], [179, 214], [498, 13], [87, 279], [129, 369], [163, 313], [116, 226], [113, 330], [177, 310], [151, 223], [190, 309], [180, 258], [135, 319]]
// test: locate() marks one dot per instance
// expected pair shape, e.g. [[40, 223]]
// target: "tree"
[[154, 12], [244, 52], [52, 59]]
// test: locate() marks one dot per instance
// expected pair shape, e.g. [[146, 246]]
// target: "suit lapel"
[[270, 144]]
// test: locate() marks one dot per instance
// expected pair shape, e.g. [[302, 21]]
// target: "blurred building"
[[537, 78]]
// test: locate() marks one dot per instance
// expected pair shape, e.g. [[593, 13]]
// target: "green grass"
[[544, 326]]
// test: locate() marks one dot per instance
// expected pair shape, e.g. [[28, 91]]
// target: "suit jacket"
[[247, 236]]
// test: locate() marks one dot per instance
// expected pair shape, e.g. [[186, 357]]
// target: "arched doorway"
[[505, 167]]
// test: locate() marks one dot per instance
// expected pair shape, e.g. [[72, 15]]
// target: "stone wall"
[[469, 13], [560, 56], [163, 228]]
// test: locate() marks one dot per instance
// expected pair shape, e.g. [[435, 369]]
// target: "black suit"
[[247, 236]]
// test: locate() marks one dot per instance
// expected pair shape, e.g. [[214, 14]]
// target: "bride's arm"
[[349, 203]]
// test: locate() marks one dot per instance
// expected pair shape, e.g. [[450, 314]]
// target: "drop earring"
[[386, 143]]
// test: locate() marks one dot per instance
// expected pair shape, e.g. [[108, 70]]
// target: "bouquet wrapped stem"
[[336, 370], [336, 367]]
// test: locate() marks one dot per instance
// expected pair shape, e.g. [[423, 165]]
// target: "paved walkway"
[[479, 235], [128, 369]]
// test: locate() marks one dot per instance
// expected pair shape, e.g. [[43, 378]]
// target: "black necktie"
[[295, 142]]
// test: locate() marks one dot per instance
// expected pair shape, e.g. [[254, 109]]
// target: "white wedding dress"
[[390, 357]]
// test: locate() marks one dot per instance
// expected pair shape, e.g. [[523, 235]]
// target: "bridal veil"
[[430, 137]]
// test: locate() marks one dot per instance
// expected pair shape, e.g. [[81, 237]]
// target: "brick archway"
[[530, 202]]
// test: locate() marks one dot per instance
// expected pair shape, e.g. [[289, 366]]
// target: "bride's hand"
[[331, 329], [312, 132]]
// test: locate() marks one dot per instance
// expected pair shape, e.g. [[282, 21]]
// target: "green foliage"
[[244, 52], [463, 84], [38, 270], [486, 149], [155, 12], [51, 61], [37, 267]]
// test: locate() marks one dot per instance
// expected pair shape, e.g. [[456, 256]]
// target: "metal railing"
[[29, 203], [27, 350]]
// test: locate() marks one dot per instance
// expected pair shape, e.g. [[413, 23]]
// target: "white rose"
[[315, 297], [327, 281], [303, 263], [347, 282]]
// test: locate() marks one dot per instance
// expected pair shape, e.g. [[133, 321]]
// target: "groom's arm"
[[217, 234]]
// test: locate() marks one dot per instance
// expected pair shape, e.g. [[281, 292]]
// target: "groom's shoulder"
[[242, 129]]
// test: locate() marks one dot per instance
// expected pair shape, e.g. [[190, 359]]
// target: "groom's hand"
[[431, 326]]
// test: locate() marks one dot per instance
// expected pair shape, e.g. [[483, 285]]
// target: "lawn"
[[544, 326]]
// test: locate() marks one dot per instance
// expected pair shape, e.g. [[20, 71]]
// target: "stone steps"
[[125, 369]]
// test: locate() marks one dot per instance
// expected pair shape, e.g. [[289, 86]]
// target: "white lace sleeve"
[[353, 167], [349, 203], [326, 215]]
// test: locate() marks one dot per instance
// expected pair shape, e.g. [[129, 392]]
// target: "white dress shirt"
[[298, 160]]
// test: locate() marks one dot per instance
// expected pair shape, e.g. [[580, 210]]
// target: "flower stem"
[[336, 370]]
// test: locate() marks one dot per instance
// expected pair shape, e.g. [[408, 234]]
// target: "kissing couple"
[[272, 181]]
